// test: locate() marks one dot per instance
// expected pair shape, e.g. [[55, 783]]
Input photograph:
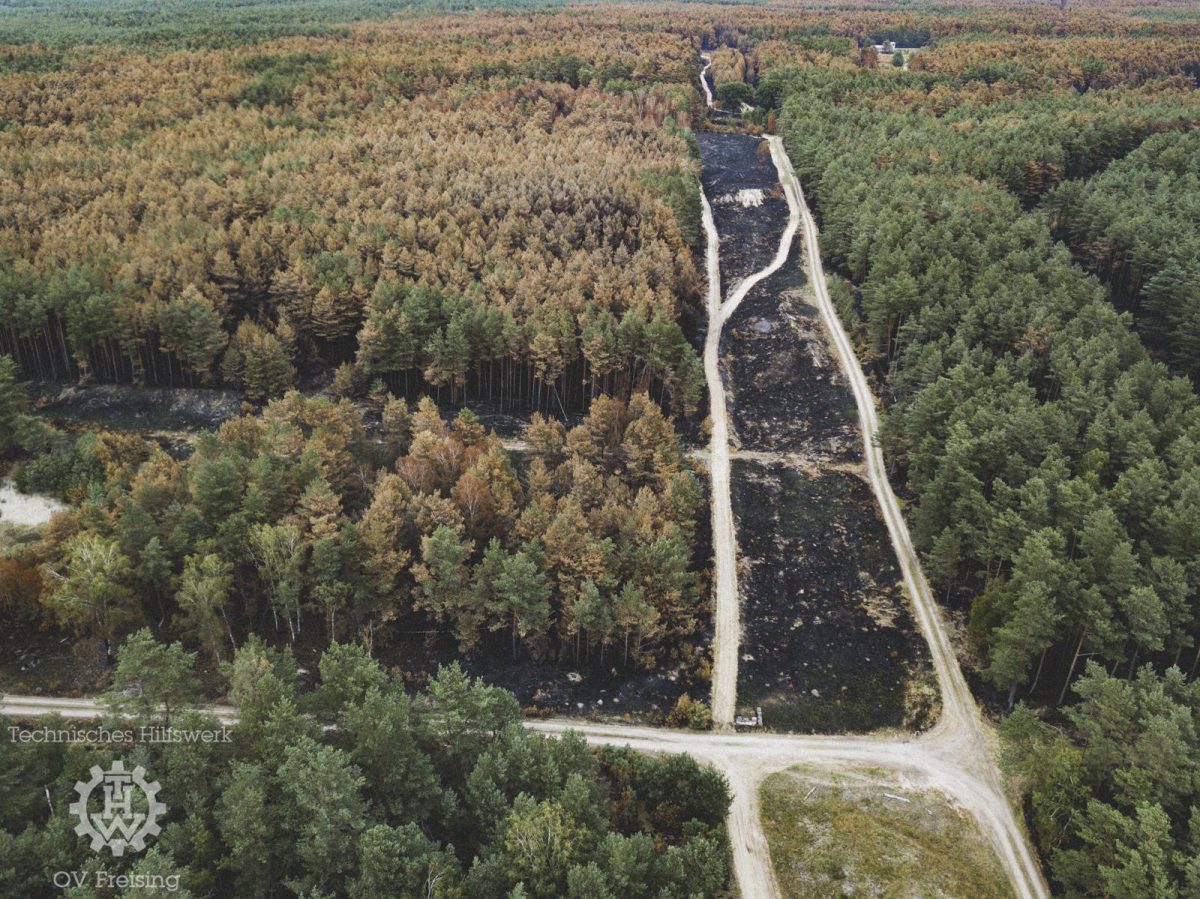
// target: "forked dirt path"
[[726, 615], [957, 755]]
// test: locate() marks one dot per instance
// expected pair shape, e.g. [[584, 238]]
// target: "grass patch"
[[846, 837]]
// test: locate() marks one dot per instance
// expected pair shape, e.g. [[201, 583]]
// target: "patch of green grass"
[[847, 838]]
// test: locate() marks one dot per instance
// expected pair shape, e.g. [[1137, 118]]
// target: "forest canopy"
[[1135, 226], [358, 788], [353, 220], [252, 216]]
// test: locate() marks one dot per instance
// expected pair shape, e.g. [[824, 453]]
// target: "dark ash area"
[[590, 689], [749, 234], [160, 411], [783, 385], [828, 643], [124, 407]]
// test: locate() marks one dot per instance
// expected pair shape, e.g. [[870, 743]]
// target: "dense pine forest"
[[302, 520], [1134, 225], [1026, 416], [357, 788], [361, 223], [254, 216]]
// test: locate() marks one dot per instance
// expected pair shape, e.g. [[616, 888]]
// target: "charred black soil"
[[122, 407], [784, 389], [52, 663], [49, 662], [828, 644], [736, 176], [600, 690]]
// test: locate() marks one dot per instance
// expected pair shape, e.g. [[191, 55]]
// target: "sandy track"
[[956, 756], [959, 712], [726, 611], [28, 707], [726, 626], [745, 759]]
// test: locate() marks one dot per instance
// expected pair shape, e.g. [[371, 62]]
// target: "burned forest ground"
[[784, 388], [828, 643], [600, 689], [736, 175]]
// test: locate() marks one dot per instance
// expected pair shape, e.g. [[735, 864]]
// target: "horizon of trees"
[[222, 23], [262, 267]]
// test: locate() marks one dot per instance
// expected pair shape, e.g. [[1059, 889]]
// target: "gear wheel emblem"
[[118, 826]]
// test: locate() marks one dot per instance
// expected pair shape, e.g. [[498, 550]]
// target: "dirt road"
[[29, 707], [726, 629], [745, 759], [957, 755]]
